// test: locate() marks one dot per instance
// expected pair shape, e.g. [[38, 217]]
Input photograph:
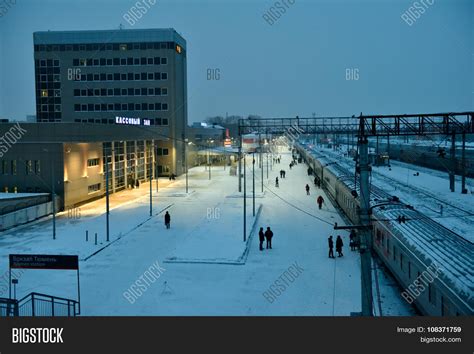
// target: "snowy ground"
[[209, 270]]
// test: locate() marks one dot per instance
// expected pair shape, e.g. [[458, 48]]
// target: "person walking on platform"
[[261, 237], [276, 182], [331, 247], [352, 238], [167, 220], [307, 189], [339, 245], [316, 181], [268, 236], [320, 202]]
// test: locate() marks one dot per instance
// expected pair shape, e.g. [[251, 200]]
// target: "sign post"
[[39, 261]]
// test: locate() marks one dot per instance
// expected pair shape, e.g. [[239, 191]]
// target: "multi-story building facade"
[[121, 76]]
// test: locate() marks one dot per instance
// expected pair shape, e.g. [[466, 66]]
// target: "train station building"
[[109, 100]]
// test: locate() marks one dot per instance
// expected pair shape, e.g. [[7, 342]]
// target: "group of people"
[[339, 245], [267, 235], [354, 244], [282, 173], [277, 159]]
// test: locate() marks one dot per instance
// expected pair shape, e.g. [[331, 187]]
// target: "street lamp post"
[[261, 162], [151, 180], [186, 162], [245, 200], [240, 163], [53, 201], [267, 164], [156, 182], [253, 183], [107, 205], [209, 157]]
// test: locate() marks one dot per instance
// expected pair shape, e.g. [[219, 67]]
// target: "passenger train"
[[408, 248]]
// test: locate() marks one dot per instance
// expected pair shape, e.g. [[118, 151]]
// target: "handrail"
[[47, 296]]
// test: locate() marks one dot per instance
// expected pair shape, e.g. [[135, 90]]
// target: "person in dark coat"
[[331, 247], [137, 184], [307, 189], [291, 165], [339, 245], [268, 236], [284, 174], [320, 201], [261, 237], [276, 182], [352, 238], [167, 220]]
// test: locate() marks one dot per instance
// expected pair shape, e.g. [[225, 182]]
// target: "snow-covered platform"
[[323, 287]]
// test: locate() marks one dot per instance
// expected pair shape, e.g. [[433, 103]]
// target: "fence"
[[36, 304]]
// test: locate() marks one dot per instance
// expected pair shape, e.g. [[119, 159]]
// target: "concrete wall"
[[14, 202], [78, 176], [50, 156], [24, 216]]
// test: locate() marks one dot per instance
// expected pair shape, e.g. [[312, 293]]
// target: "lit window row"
[[120, 61], [157, 91], [103, 46], [122, 77], [120, 107]]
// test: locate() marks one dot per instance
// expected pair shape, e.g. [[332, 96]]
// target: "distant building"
[[204, 134], [31, 118]]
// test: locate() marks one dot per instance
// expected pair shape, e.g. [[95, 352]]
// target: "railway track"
[[464, 217]]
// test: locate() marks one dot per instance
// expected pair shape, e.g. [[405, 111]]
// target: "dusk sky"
[[296, 66]]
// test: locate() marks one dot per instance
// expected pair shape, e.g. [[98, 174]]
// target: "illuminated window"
[[13, 167], [44, 93], [29, 167], [93, 162], [94, 188], [178, 48], [123, 47], [4, 167]]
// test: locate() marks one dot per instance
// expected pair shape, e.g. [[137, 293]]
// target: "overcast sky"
[[296, 66]]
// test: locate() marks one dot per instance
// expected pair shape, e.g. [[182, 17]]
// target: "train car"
[[419, 244], [407, 248], [253, 142]]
